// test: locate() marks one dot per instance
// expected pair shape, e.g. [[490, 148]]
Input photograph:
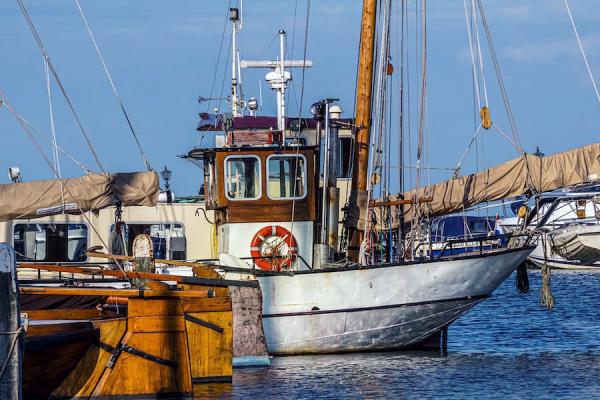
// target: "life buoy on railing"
[[273, 248]]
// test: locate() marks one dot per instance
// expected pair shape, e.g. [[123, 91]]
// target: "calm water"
[[506, 347]]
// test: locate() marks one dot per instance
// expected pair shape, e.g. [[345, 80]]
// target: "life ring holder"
[[273, 260]]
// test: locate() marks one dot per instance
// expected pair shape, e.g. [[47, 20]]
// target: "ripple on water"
[[506, 347]]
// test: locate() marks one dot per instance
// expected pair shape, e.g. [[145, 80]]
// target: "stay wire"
[[214, 79], [114, 88], [587, 64], [63, 183], [58, 81], [496, 65], [21, 119], [306, 25]]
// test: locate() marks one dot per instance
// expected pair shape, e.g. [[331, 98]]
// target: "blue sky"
[[162, 56]]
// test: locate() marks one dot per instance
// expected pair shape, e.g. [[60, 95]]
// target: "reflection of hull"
[[379, 308], [559, 263]]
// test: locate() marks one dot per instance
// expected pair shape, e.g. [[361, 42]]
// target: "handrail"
[[479, 240]]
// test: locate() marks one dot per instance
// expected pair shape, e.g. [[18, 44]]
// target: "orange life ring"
[[273, 248]]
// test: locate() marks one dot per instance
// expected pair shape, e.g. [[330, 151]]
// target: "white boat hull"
[[577, 243], [380, 308], [560, 263]]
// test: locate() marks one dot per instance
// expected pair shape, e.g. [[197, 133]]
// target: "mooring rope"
[[11, 350], [546, 297]]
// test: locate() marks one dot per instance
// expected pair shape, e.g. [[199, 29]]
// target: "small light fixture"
[[166, 175]]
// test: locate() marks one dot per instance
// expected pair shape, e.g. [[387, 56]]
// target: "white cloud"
[[552, 50]]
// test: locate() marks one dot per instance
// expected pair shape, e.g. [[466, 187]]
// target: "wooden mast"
[[364, 87]]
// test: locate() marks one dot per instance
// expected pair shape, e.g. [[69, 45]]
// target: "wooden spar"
[[401, 202], [64, 291], [364, 86], [214, 280]]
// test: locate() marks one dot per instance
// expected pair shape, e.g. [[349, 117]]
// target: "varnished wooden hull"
[[52, 350]]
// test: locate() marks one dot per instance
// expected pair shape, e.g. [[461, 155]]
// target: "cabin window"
[[209, 189], [50, 242], [168, 240], [242, 178], [286, 177]]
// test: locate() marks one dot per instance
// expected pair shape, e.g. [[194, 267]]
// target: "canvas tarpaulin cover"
[[73, 195]]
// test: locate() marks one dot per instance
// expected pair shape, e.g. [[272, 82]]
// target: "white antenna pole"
[[281, 91], [234, 17], [260, 94]]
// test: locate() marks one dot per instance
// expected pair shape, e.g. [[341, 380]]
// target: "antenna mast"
[[236, 103]]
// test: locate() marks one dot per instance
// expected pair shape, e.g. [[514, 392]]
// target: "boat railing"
[[450, 245]]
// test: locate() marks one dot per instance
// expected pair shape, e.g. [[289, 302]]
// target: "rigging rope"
[[114, 88], [496, 65], [214, 79], [53, 131], [22, 120], [300, 113], [58, 81], [587, 64], [62, 181], [52, 127]]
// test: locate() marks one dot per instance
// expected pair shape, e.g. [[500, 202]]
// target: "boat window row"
[[64, 242], [285, 175]]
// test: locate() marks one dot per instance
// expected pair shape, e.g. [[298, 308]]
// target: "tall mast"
[[364, 85]]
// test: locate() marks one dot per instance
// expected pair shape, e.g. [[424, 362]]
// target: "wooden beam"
[[63, 291], [401, 202], [364, 88]]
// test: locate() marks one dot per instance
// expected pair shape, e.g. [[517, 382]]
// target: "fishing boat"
[[272, 209]]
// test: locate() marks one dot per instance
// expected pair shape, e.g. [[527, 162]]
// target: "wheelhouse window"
[[242, 178], [168, 240], [286, 177], [50, 242]]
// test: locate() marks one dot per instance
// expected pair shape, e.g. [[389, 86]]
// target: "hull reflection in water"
[[377, 308]]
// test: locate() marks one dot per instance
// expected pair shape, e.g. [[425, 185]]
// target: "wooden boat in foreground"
[[162, 342]]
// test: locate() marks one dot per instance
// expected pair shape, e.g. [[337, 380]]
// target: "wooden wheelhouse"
[[260, 184]]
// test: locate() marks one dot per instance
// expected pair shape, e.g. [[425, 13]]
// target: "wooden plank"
[[138, 307], [112, 292], [65, 313], [213, 304], [135, 376], [85, 376], [156, 324], [211, 352]]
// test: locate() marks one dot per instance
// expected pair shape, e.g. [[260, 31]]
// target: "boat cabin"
[[264, 202]]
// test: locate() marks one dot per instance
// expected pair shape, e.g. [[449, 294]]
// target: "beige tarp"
[[513, 178], [73, 195]]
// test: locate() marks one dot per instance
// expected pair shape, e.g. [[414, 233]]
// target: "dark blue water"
[[507, 347]]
